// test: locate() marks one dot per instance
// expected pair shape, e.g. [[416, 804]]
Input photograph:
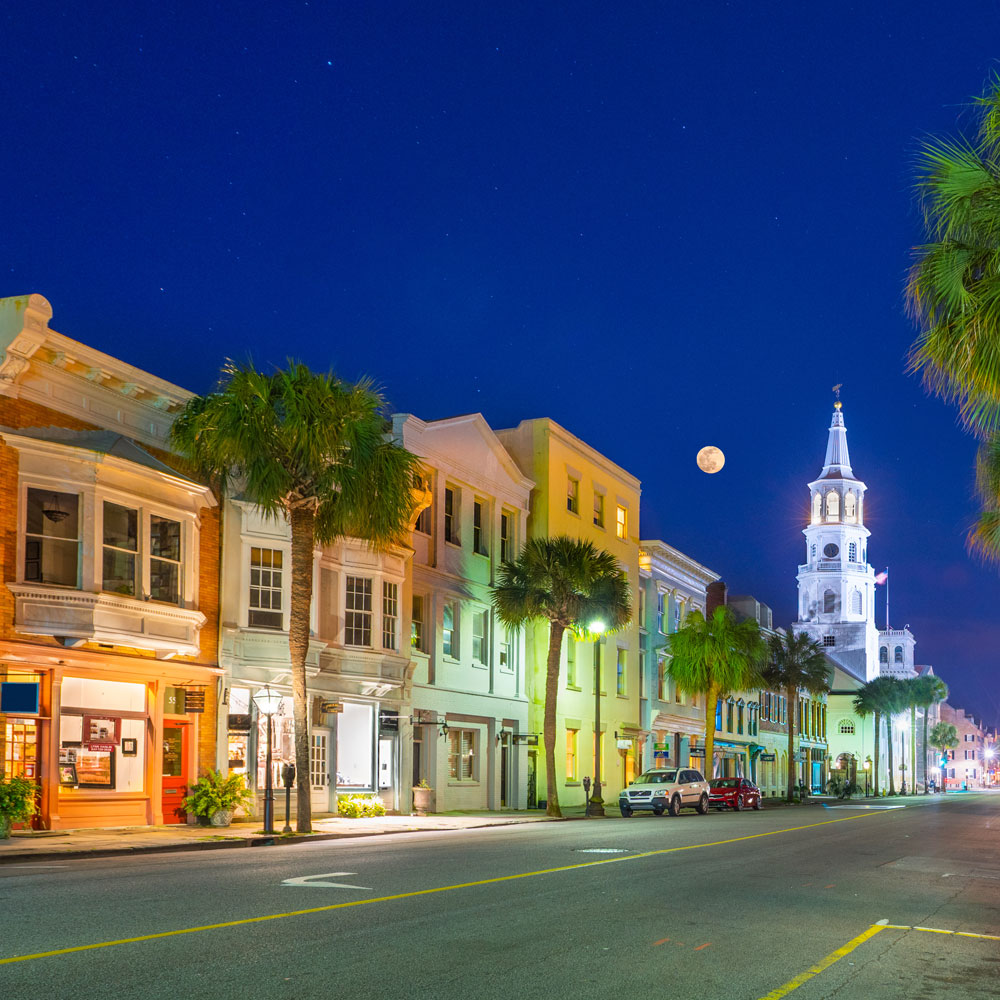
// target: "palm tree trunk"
[[927, 770], [303, 522], [790, 791], [711, 702], [913, 749], [888, 740], [878, 741], [556, 630]]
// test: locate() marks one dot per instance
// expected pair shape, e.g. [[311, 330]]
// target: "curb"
[[277, 840]]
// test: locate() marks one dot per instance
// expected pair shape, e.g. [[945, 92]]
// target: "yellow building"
[[581, 493]]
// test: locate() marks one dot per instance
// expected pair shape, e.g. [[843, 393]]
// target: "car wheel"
[[675, 806], [626, 810], [738, 803], [657, 810], [756, 803], [702, 806]]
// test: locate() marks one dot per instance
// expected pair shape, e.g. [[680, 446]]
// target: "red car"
[[733, 793]]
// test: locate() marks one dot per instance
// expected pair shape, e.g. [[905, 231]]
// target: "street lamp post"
[[595, 806], [267, 703]]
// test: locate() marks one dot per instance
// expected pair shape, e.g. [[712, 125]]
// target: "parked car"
[[733, 793], [665, 789]]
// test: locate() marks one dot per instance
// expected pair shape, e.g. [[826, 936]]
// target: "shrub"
[[17, 800], [214, 791], [359, 806]]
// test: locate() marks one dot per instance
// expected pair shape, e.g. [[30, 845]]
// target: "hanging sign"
[[696, 752], [194, 701], [661, 747], [768, 756], [331, 707], [527, 739]]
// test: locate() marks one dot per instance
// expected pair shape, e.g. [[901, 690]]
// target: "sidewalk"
[[48, 845]]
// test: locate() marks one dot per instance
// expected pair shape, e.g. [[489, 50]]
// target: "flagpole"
[[887, 598]]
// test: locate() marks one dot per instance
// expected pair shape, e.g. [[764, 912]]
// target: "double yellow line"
[[420, 892]]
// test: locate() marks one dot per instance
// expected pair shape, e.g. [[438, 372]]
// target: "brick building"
[[109, 603]]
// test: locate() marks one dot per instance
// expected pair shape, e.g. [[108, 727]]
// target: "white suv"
[[666, 789]]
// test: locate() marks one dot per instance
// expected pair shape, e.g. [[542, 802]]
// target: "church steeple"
[[838, 460], [836, 583]]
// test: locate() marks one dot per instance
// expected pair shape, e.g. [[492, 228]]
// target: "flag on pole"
[[882, 577]]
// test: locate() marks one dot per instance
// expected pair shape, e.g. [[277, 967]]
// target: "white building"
[[469, 699]]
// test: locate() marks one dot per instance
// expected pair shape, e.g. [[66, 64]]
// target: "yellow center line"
[[938, 930], [425, 892], [824, 963]]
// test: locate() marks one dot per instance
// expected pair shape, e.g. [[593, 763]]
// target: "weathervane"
[[836, 392]]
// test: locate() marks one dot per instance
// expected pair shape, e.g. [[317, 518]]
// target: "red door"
[[175, 776]]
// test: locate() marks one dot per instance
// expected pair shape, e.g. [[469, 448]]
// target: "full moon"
[[710, 459]]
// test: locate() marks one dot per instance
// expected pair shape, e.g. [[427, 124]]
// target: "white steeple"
[[836, 584]]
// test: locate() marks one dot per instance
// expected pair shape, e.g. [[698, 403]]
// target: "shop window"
[[52, 538], [20, 749], [355, 746], [266, 578], [461, 754], [319, 773]]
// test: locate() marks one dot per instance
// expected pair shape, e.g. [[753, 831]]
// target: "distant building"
[[967, 765]]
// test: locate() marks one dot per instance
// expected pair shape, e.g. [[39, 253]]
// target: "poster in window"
[[130, 747], [95, 768], [101, 729], [67, 775]]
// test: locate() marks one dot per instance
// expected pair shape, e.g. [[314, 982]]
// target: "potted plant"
[[216, 797], [17, 803], [423, 796]]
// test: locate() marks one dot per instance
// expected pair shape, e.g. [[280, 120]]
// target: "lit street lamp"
[[595, 806], [268, 703]]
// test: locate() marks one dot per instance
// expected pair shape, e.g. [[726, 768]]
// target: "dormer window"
[[833, 506], [850, 507]]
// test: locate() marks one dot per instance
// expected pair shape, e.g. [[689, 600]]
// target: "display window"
[[356, 746], [102, 728]]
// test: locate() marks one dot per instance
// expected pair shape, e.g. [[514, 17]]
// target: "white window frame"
[[270, 588], [358, 620], [463, 763], [449, 636], [621, 522], [481, 637], [390, 615], [452, 515]]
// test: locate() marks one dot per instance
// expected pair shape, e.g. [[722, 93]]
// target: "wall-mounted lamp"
[[502, 733], [443, 731]]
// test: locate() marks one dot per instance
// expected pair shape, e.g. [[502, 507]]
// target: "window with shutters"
[[461, 754]]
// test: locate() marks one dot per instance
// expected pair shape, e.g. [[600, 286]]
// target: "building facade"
[[581, 493], [109, 609], [469, 720]]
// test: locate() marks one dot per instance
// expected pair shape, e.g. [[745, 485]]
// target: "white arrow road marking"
[[311, 880]]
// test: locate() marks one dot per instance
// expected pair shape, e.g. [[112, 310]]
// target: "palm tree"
[[866, 703], [313, 450], [928, 691], [570, 583], [714, 657], [797, 663], [944, 737], [953, 288]]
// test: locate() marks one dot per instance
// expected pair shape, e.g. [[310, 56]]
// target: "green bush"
[[17, 800], [214, 791], [359, 806]]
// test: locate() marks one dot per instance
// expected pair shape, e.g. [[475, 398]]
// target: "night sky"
[[663, 225]]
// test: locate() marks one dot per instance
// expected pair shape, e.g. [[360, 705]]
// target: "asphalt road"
[[806, 902]]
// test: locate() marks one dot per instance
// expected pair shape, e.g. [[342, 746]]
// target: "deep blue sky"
[[664, 225]]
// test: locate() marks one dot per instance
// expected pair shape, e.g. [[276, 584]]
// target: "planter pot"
[[221, 817], [5, 825], [423, 800]]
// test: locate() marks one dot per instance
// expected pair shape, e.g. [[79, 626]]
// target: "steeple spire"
[[838, 460]]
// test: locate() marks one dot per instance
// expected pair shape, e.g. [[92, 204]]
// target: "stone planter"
[[423, 800], [221, 817]]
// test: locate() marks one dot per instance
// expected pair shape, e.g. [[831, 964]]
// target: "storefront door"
[[319, 765], [175, 771]]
